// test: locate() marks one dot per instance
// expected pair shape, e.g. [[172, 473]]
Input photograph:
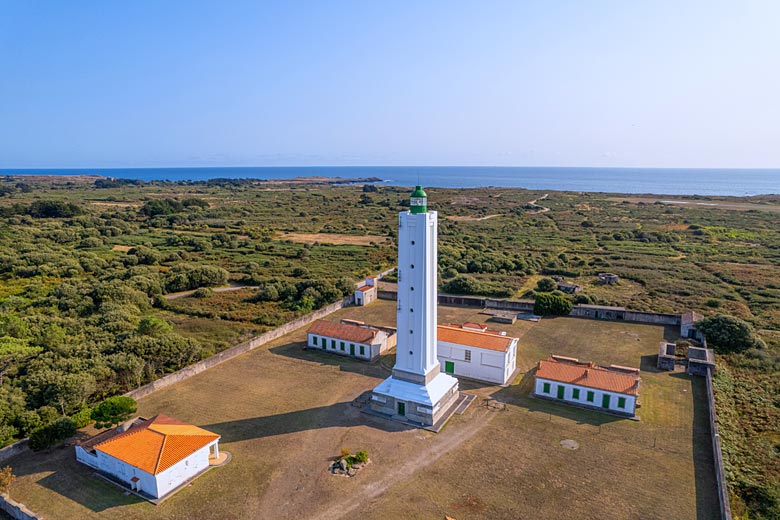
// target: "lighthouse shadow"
[[378, 368]]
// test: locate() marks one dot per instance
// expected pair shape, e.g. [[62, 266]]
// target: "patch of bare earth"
[[468, 218], [123, 249]]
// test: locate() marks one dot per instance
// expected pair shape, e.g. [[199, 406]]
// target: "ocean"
[[610, 180]]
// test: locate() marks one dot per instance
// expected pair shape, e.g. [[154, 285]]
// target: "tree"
[[729, 334], [48, 436], [552, 305], [546, 285], [113, 411], [153, 326], [14, 351], [7, 478]]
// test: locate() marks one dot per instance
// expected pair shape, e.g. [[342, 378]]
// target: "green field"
[[284, 413]]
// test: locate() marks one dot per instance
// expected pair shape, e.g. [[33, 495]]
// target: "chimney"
[[587, 371]]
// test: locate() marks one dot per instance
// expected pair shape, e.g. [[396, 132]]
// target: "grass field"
[[284, 413]]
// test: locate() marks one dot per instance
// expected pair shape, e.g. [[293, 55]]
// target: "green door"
[[401, 408], [605, 401], [560, 391], [351, 349], [449, 367]]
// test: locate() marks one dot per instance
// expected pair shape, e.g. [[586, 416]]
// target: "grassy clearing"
[[284, 412], [334, 238]]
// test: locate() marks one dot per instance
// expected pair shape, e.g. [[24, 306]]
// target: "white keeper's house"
[[614, 389], [152, 456], [472, 351], [350, 339]]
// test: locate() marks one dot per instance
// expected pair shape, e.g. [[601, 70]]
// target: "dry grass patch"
[[333, 238], [123, 249]]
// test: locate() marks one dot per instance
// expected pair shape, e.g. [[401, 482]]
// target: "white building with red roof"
[[153, 457], [367, 292], [614, 389], [353, 339], [474, 352]]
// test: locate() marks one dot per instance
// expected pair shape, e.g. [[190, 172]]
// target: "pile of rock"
[[342, 468]]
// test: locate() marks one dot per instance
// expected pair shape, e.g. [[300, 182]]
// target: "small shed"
[[700, 360], [608, 278], [667, 357], [569, 288]]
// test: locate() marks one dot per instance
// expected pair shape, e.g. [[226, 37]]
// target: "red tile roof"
[[343, 331], [366, 288], [157, 444], [473, 338], [588, 375]]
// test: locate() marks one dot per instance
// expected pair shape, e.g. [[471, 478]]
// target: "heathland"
[[88, 269]]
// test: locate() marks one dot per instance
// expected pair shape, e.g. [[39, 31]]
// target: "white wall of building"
[[183, 470], [125, 472], [598, 395], [484, 364], [369, 351]]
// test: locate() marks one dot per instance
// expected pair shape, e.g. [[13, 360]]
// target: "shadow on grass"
[[649, 363], [71, 479], [339, 415], [380, 367], [707, 501]]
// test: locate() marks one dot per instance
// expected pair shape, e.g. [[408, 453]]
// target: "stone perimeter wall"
[[237, 350], [13, 450], [16, 510], [720, 473]]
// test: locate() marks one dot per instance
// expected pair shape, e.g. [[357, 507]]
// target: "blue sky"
[[133, 84]]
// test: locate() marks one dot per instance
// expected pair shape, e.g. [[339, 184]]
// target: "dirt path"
[[184, 294], [443, 443], [467, 218], [737, 206], [541, 209]]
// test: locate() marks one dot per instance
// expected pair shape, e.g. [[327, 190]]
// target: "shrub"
[[82, 418], [713, 303], [361, 456], [203, 292], [48, 436], [552, 305], [7, 478], [113, 411], [546, 285], [344, 452], [729, 334]]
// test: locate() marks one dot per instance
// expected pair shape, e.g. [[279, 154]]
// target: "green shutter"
[[362, 350], [546, 388], [605, 401], [561, 390], [342, 345], [314, 340], [575, 393], [621, 402], [590, 396], [333, 343]]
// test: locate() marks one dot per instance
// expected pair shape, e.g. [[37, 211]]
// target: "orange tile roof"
[[342, 331], [366, 288], [473, 338], [588, 375], [157, 444]]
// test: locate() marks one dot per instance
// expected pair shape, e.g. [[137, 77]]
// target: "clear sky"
[[228, 83]]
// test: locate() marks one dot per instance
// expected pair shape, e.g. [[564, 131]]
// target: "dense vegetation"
[[87, 268]]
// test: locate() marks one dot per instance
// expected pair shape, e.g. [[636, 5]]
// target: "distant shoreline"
[[666, 181]]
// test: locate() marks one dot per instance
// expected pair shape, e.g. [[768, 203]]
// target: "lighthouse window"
[[412, 242], [411, 288], [411, 310], [411, 332], [412, 266]]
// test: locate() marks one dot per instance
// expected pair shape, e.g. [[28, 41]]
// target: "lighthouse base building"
[[415, 401]]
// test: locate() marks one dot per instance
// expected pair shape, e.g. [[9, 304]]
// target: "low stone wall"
[[16, 510], [14, 450], [237, 350], [720, 472]]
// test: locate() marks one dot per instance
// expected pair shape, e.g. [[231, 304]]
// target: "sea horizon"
[[738, 182]]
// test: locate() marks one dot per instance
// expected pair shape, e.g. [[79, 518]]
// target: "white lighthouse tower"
[[417, 391]]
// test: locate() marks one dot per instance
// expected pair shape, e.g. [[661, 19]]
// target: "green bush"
[[82, 418], [546, 285], [48, 436], [552, 305], [113, 411], [361, 456]]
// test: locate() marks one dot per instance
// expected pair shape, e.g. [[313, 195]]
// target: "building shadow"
[[339, 415], [71, 479], [649, 363], [707, 498]]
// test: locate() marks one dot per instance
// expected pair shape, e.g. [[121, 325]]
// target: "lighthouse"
[[417, 391]]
